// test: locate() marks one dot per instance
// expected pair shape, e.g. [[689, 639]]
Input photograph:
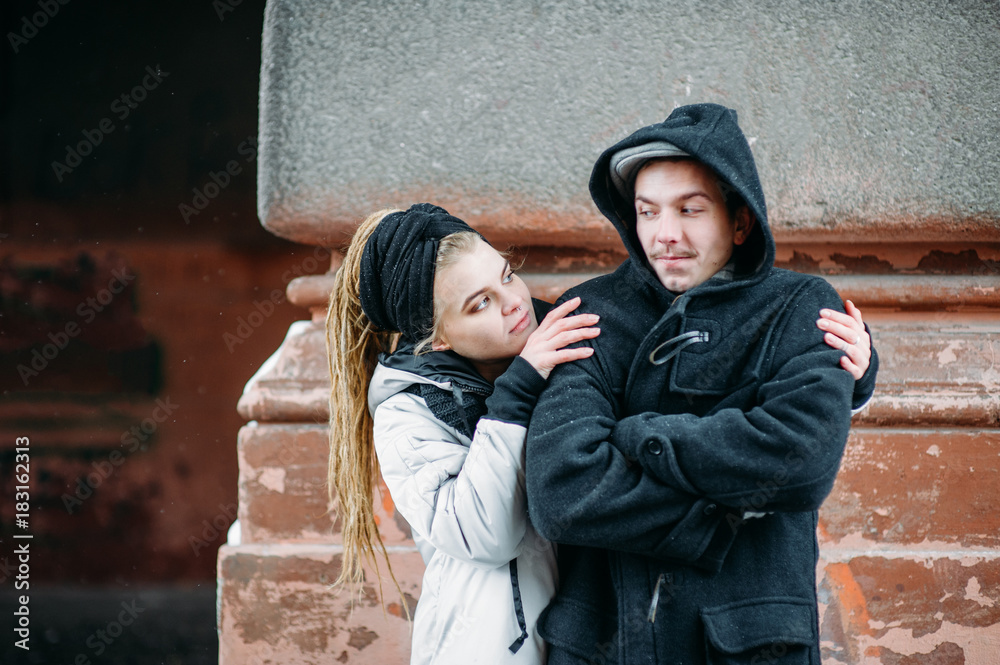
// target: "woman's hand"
[[847, 333], [544, 348]]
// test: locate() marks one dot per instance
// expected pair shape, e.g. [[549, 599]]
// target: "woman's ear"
[[440, 345], [744, 224]]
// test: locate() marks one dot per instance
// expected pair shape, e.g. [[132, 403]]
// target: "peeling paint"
[[276, 606], [948, 356], [856, 544], [973, 592], [867, 264], [966, 261], [273, 479], [361, 637], [977, 644]]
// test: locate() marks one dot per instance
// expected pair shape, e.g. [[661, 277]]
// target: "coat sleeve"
[[582, 490], [465, 500], [782, 454]]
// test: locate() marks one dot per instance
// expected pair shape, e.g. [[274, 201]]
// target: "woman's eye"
[[481, 305], [509, 277]]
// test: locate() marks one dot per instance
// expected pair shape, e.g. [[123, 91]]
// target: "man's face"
[[683, 224]]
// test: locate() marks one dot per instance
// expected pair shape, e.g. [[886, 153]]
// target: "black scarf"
[[397, 268]]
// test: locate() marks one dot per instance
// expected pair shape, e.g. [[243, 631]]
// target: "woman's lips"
[[522, 323]]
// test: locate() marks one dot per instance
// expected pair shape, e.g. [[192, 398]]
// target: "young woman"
[[437, 358]]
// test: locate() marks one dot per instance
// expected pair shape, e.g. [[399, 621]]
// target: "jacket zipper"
[[651, 615]]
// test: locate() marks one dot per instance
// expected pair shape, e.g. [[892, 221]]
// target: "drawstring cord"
[[518, 609], [687, 339]]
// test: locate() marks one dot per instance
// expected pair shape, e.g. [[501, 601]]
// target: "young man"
[[682, 465]]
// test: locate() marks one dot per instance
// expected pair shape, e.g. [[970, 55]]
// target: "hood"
[[710, 134], [401, 369], [387, 381]]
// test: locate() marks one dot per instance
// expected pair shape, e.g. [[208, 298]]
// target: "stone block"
[[497, 110], [912, 607], [928, 488], [283, 488], [276, 606], [293, 385], [937, 369]]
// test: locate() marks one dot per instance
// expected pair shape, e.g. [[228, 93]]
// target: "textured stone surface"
[[294, 383], [282, 486], [276, 605], [932, 489], [910, 608], [937, 369], [283, 490], [928, 488], [861, 115]]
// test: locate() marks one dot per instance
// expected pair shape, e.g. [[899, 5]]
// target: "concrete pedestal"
[[874, 129]]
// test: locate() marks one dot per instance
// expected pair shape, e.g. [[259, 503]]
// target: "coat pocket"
[[775, 631], [580, 631]]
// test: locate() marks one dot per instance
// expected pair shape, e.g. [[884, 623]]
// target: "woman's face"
[[484, 308]]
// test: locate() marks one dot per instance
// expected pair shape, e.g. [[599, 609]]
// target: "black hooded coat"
[[685, 494]]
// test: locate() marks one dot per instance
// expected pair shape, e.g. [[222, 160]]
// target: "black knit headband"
[[397, 268]]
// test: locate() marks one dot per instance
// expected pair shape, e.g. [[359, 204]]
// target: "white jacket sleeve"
[[467, 501]]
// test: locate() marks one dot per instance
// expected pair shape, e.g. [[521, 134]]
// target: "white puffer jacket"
[[465, 503]]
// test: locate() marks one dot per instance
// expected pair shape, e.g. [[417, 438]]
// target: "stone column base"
[[276, 605]]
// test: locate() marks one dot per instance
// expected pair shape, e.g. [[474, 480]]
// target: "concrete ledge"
[[293, 384], [937, 369], [912, 292], [916, 292]]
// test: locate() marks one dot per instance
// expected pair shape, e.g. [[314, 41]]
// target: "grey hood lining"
[[625, 164]]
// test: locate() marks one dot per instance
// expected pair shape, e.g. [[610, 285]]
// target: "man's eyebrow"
[[465, 303], [681, 197]]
